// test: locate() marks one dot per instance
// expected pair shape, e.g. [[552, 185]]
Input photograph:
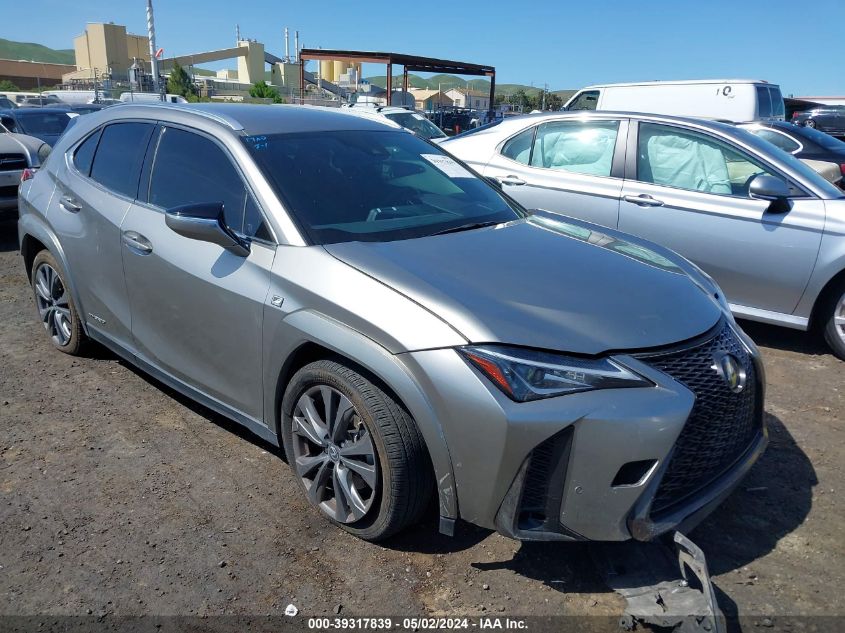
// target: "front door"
[[566, 166], [690, 193], [196, 307]]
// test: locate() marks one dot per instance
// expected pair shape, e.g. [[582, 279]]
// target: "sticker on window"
[[448, 166]]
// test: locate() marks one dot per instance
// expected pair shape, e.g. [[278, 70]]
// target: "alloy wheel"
[[334, 454], [53, 306], [839, 318]]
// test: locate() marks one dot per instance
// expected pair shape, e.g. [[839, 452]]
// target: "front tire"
[[355, 451], [55, 305], [834, 321]]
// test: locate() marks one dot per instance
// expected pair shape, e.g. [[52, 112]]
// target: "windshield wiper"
[[467, 227]]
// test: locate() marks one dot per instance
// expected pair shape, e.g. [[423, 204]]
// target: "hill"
[[34, 52], [447, 82]]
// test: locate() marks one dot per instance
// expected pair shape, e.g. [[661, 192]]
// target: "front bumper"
[[9, 181], [587, 466]]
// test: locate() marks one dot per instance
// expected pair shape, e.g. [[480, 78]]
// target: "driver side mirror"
[[204, 221], [775, 190]]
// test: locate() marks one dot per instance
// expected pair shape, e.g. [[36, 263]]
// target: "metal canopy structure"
[[410, 63]]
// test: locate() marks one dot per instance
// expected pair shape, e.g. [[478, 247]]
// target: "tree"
[[5, 84], [553, 101], [179, 82], [262, 90]]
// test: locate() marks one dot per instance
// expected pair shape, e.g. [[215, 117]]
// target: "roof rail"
[[218, 118]]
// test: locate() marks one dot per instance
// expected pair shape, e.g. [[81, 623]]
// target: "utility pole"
[[151, 33]]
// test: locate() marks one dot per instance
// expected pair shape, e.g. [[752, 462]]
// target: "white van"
[[735, 100]]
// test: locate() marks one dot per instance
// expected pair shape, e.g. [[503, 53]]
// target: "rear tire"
[[55, 305], [810, 123], [833, 313], [390, 487]]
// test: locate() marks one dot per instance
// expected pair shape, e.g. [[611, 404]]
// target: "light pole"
[[151, 32]]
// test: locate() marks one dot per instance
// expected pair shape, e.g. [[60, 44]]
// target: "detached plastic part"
[[665, 584]]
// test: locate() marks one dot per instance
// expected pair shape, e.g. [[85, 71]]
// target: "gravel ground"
[[119, 496]]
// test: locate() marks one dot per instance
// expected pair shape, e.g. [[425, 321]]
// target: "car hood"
[[12, 142], [545, 282]]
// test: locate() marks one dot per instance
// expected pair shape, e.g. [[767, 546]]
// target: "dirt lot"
[[118, 496]]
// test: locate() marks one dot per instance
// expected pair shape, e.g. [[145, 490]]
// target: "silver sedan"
[[769, 229]]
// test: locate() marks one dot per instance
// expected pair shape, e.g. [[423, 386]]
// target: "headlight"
[[530, 375]]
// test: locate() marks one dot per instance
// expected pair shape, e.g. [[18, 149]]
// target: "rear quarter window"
[[83, 157]]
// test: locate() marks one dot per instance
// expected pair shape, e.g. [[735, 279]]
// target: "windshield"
[[417, 123], [44, 122], [374, 186]]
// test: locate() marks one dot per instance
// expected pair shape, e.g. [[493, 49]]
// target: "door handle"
[[511, 180], [137, 243], [69, 204], [644, 200]]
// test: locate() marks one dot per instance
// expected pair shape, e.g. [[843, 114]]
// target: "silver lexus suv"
[[403, 329]]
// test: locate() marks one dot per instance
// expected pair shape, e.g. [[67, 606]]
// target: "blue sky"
[[565, 44]]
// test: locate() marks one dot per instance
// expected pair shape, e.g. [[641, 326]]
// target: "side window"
[[587, 100], [190, 168], [8, 123], [519, 147], [119, 156], [781, 141], [576, 146], [83, 157], [680, 158], [764, 102], [778, 106]]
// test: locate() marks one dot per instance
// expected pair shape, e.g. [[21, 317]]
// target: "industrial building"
[[468, 98], [32, 75], [107, 51], [111, 60]]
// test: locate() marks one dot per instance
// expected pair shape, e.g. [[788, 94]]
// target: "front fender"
[[304, 327], [831, 257]]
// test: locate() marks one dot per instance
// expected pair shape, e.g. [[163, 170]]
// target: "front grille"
[[9, 192], [12, 162], [722, 423]]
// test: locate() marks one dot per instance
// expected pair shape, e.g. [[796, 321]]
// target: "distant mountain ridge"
[[447, 82], [30, 51]]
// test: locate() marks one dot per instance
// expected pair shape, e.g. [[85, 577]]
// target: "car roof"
[[250, 118], [19, 112], [517, 121], [679, 83]]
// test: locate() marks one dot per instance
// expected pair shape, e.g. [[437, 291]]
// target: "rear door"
[[96, 185], [569, 166], [688, 190], [197, 308]]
